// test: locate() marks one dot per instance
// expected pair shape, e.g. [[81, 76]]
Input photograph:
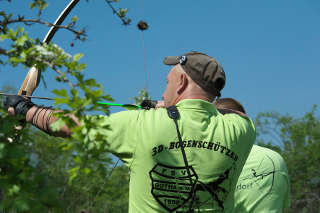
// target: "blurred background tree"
[[298, 141]]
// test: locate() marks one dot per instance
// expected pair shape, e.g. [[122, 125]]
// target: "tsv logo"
[[171, 186]]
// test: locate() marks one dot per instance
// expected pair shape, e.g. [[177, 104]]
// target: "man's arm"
[[41, 117]]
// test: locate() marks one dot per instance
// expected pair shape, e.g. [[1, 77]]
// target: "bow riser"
[[30, 83]]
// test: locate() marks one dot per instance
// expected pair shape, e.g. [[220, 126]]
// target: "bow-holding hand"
[[17, 105]]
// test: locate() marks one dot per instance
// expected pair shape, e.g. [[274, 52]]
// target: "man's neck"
[[191, 96]]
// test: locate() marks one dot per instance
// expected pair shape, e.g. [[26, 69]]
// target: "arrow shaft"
[[104, 103], [27, 96]]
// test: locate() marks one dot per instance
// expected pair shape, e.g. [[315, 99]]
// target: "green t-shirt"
[[263, 185], [216, 147]]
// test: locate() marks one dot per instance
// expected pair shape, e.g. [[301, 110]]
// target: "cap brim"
[[171, 60]]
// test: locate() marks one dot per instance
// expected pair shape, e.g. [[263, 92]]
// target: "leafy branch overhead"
[[27, 51], [40, 5], [121, 13]]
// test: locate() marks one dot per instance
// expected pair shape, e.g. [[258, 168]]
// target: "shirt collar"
[[197, 104]]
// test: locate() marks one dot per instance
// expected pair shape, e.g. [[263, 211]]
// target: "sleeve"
[[122, 137], [243, 127], [241, 121]]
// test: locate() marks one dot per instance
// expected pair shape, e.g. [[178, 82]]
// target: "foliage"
[[298, 141], [39, 173], [95, 193], [142, 95], [121, 12], [37, 179]]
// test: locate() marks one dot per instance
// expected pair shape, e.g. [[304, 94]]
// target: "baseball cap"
[[202, 69]]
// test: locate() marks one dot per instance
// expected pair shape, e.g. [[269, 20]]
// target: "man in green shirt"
[[188, 162], [263, 185]]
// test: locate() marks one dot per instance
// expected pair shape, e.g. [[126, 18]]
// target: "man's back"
[[263, 185], [216, 148]]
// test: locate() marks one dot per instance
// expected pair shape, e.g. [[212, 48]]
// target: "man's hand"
[[148, 104], [17, 105], [160, 104]]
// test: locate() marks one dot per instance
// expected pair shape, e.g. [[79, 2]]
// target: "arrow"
[[27, 96], [126, 106]]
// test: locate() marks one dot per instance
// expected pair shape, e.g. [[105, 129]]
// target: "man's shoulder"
[[264, 151], [141, 115], [268, 155], [236, 119], [231, 111]]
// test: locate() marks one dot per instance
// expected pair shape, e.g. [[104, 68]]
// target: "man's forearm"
[[43, 117]]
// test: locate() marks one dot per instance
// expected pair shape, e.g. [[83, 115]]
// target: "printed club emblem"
[[171, 186]]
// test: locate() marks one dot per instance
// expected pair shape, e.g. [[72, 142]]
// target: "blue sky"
[[269, 49]]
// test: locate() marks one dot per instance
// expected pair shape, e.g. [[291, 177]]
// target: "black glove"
[[148, 104], [21, 105]]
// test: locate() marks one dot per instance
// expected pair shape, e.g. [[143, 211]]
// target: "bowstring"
[[144, 49]]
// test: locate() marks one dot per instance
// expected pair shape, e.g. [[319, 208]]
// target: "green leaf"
[[2, 150], [74, 18], [74, 92], [90, 146], [92, 134], [61, 92], [20, 41], [86, 171], [32, 5], [61, 101], [15, 61], [43, 6], [73, 173], [81, 67], [90, 82], [14, 190], [78, 160], [77, 57], [57, 125], [4, 36]]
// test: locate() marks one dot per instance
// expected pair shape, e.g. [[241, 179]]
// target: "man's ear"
[[183, 83]]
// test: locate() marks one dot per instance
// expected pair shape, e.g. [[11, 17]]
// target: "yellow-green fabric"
[[263, 185], [216, 147]]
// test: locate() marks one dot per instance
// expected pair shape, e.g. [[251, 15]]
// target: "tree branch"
[[124, 20], [60, 73], [3, 51], [39, 21]]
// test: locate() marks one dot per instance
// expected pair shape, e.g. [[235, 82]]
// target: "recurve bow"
[[32, 79]]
